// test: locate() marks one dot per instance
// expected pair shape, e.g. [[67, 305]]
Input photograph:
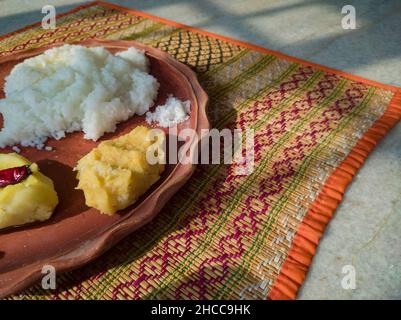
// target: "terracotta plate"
[[77, 234]]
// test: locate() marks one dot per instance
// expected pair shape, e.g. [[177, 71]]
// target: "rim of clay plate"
[[135, 219]]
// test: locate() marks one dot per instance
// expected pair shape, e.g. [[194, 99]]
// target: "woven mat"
[[226, 236]]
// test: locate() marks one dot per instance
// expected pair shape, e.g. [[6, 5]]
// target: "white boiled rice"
[[74, 88], [174, 111]]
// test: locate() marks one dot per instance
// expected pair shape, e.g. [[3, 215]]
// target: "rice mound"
[[74, 88]]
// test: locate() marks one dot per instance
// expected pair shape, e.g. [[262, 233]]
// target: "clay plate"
[[77, 234]]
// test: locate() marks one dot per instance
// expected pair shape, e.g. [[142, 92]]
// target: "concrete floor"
[[366, 230]]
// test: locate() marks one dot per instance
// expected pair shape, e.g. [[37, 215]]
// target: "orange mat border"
[[295, 267], [311, 229]]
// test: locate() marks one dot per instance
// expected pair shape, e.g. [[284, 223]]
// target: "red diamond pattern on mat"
[[225, 190], [282, 170]]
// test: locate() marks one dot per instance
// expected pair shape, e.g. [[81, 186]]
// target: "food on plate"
[[116, 173], [174, 111], [26, 195], [74, 88]]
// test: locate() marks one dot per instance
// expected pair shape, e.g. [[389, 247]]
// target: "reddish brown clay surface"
[[77, 234]]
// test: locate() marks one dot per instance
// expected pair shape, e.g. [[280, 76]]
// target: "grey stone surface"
[[366, 229]]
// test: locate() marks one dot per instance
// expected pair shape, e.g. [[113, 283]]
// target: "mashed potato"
[[74, 88], [33, 199], [116, 173]]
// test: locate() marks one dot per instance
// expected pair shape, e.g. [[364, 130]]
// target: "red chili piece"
[[14, 175]]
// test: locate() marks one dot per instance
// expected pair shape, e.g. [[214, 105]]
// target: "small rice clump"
[[174, 111], [74, 88]]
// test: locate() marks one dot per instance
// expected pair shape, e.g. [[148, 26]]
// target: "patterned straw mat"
[[227, 236]]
